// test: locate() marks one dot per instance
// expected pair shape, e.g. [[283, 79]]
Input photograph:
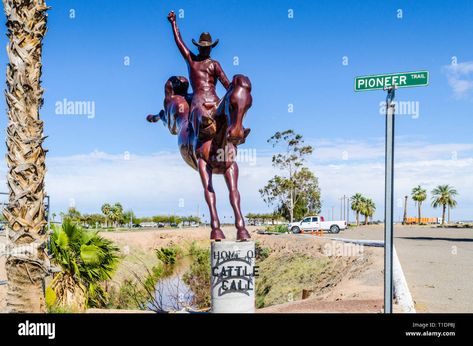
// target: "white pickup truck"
[[316, 223]]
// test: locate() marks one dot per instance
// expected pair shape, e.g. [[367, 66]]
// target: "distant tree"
[[117, 214], [106, 211], [195, 219], [175, 219], [356, 205], [73, 215], [419, 195], [93, 220], [129, 216], [368, 208], [443, 195], [301, 209], [298, 184]]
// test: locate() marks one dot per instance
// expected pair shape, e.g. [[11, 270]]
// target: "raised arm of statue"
[[221, 76], [177, 37]]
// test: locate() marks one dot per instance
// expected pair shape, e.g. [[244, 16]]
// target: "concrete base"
[[233, 274]]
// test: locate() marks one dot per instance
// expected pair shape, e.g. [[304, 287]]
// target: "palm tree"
[[86, 260], [419, 195], [106, 210], [368, 208], [443, 195], [356, 204], [26, 261], [116, 213]]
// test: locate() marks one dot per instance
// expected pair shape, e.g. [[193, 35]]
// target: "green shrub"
[[198, 276], [137, 293], [277, 228], [261, 252], [87, 261], [168, 255]]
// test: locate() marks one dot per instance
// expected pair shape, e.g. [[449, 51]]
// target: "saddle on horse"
[[208, 125]]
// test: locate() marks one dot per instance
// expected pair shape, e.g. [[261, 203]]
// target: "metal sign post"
[[390, 82], [388, 202]]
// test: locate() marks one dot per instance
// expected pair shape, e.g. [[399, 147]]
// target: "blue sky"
[[296, 61]]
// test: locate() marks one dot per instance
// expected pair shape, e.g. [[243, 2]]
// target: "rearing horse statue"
[[208, 128]]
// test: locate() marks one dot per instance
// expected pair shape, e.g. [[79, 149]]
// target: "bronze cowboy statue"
[[209, 128]]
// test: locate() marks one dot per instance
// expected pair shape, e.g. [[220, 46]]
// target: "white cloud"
[[373, 150], [152, 184], [460, 78]]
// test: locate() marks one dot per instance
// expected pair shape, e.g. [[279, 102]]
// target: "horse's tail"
[[153, 118]]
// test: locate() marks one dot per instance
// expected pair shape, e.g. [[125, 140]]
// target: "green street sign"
[[401, 80]]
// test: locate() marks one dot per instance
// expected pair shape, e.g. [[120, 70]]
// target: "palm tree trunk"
[[26, 260], [291, 207], [357, 218], [444, 206], [419, 205], [366, 219]]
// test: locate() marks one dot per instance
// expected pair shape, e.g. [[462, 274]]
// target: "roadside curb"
[[401, 289]]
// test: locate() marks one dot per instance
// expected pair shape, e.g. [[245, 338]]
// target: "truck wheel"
[[295, 229], [334, 229]]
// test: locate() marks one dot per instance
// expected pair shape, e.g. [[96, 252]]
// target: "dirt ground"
[[359, 287]]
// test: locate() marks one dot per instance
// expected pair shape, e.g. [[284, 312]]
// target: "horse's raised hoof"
[[217, 234], [243, 235], [246, 132]]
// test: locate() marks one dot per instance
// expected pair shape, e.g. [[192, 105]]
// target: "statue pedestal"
[[233, 274]]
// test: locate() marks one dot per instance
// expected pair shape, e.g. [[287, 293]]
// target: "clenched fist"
[[172, 17]]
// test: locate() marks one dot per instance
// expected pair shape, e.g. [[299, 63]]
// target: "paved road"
[[437, 263]]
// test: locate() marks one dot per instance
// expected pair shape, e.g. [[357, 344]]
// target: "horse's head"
[[240, 100]]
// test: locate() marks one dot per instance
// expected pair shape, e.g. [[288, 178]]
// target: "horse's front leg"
[[231, 178], [206, 177]]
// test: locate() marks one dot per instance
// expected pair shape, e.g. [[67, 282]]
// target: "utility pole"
[[404, 219], [341, 208], [198, 213], [348, 210]]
